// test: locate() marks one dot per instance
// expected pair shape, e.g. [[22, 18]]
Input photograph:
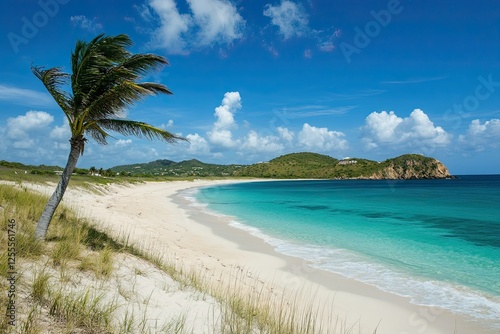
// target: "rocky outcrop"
[[411, 168]]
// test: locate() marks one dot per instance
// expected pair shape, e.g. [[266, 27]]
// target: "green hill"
[[318, 166], [184, 168]]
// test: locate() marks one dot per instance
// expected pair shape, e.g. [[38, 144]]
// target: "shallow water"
[[435, 241]]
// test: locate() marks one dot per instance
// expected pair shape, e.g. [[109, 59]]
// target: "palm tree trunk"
[[44, 221]]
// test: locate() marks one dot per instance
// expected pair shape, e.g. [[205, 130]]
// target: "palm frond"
[[131, 69], [137, 129], [90, 62], [97, 133], [155, 88], [53, 79], [141, 64], [116, 99]]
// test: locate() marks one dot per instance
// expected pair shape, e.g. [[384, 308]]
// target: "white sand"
[[156, 219]]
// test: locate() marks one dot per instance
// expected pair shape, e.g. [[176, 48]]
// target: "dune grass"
[[75, 245]]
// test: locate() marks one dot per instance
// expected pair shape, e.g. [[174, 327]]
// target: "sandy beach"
[[156, 218]]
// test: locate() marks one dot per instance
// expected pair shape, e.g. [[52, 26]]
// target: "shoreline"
[[155, 216]]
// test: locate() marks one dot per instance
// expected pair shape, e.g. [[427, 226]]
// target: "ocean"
[[434, 241]]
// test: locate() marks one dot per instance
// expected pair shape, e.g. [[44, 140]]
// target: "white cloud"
[[225, 112], [222, 138], [210, 22], [416, 131], [144, 12], [123, 142], [285, 134], [31, 138], [480, 136], [173, 26], [197, 144], [86, 24], [221, 132], [321, 139], [61, 133], [219, 21], [169, 124], [289, 17], [326, 46], [255, 143], [26, 143], [20, 126]]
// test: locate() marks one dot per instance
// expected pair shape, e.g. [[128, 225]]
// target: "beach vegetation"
[[105, 80]]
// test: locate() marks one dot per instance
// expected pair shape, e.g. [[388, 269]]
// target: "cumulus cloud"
[[416, 131], [480, 136], [197, 144], [262, 144], [25, 143], [221, 134], [210, 22], [20, 126], [285, 134], [219, 21], [169, 124], [32, 137], [173, 26], [289, 17], [61, 133], [321, 139], [84, 23], [222, 138], [225, 112]]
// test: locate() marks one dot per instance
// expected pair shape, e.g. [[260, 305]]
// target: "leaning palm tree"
[[104, 82]]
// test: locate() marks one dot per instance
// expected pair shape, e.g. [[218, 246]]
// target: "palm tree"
[[104, 82]]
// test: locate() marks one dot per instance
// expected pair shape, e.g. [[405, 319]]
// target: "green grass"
[[30, 325], [40, 286], [84, 311], [100, 263]]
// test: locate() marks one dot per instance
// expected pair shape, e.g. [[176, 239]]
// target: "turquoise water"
[[434, 241]]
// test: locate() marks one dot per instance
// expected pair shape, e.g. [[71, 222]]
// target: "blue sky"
[[253, 80]]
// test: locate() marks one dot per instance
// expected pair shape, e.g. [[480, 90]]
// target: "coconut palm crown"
[[104, 83]]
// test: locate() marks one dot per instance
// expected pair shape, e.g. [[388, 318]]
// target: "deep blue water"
[[435, 241]]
